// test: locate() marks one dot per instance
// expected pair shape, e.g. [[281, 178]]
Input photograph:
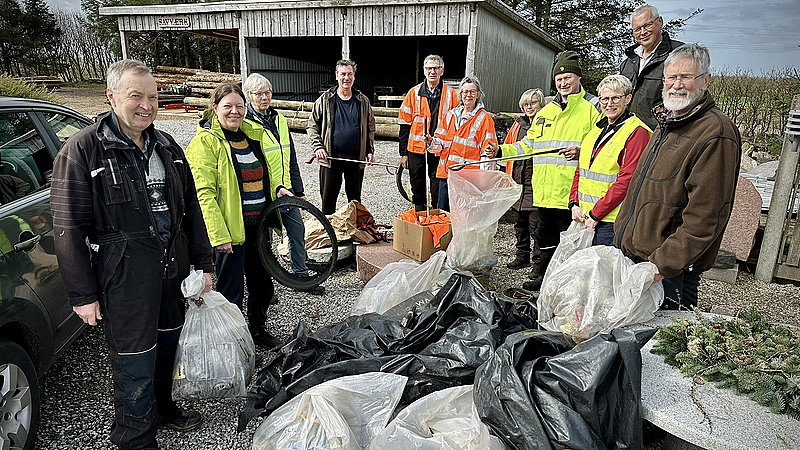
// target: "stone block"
[[742, 226]]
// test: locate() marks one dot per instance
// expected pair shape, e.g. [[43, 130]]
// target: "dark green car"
[[36, 321]]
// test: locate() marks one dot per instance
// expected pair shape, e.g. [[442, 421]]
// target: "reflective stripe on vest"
[[555, 128], [412, 113], [596, 177]]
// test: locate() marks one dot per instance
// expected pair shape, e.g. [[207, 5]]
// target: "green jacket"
[[209, 156]]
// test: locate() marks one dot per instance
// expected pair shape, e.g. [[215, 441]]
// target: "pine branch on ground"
[[747, 354]]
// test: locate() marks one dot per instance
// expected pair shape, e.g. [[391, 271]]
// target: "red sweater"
[[628, 159]]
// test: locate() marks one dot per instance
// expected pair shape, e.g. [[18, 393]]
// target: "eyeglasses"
[[262, 94], [470, 92], [613, 100], [432, 69], [684, 79], [646, 27]]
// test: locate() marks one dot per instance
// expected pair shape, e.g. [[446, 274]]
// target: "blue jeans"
[[296, 230], [444, 196], [604, 234]]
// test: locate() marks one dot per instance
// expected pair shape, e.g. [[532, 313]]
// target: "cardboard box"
[[415, 240]]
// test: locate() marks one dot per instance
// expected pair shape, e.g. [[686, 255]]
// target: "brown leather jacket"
[[681, 195]]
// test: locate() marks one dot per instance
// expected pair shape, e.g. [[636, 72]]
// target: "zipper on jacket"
[[645, 169]]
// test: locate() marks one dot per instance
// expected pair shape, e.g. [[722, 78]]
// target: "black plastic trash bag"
[[538, 392], [458, 330]]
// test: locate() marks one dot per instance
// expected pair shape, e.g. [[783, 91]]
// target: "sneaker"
[[518, 263], [316, 290], [533, 285], [266, 340], [183, 420]]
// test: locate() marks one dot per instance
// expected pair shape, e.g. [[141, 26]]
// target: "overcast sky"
[[751, 35]]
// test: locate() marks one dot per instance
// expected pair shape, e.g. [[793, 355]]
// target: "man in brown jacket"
[[681, 194], [342, 125]]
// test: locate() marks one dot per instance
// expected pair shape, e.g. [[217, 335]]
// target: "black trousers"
[[244, 266], [552, 222], [419, 179], [680, 291], [330, 183], [142, 320], [525, 231]]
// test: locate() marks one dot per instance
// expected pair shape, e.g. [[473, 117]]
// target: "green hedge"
[[13, 87]]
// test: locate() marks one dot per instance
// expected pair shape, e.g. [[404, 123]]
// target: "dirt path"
[[91, 100]]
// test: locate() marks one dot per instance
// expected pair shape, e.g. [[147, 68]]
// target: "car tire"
[[19, 398]]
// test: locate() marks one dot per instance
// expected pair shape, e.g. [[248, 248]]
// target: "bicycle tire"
[[401, 187], [276, 265]]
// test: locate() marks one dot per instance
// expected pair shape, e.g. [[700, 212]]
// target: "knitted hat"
[[567, 62]]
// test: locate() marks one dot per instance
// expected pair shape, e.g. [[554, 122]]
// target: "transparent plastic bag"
[[397, 282], [595, 290], [443, 420], [216, 354], [478, 198], [574, 238], [344, 413]]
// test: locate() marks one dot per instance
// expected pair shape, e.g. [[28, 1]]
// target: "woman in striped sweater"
[[237, 176]]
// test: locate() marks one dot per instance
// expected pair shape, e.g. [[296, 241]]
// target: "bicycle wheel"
[[404, 186], [274, 244]]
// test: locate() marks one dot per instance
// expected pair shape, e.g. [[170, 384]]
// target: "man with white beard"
[[681, 195]]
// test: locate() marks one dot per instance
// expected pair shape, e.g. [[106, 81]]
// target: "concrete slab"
[[726, 275], [731, 421]]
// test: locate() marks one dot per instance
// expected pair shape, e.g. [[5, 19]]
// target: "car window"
[[25, 163], [64, 126]]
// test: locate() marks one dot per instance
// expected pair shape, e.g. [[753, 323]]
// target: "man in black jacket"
[[127, 189], [644, 62]]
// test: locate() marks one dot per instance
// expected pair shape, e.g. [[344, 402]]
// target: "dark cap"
[[567, 62]]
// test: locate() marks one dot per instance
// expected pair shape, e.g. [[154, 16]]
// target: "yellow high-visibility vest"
[[554, 128], [595, 180]]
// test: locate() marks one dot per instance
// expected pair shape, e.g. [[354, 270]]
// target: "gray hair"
[[119, 68], [698, 53], [646, 8], [616, 83], [254, 83], [528, 97], [474, 80], [344, 63], [435, 58]]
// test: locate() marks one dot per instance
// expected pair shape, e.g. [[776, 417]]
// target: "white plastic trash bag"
[[596, 290], [443, 420], [478, 198], [574, 238], [216, 354], [341, 414], [397, 282]]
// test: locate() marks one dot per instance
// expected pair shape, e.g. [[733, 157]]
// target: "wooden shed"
[[295, 43]]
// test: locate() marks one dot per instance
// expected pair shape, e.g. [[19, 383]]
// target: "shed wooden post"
[[243, 67], [123, 43], [782, 201]]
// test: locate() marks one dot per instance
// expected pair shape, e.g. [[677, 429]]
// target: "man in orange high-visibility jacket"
[[421, 116]]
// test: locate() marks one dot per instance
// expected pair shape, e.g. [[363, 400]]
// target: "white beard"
[[676, 104]]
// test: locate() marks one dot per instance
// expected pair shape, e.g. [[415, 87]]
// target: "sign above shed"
[[170, 22]]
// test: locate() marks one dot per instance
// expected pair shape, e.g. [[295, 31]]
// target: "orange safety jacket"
[[415, 112], [511, 138], [467, 142]]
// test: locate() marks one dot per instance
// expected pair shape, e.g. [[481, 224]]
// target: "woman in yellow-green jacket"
[[237, 171]]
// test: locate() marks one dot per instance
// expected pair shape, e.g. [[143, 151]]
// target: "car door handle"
[[30, 241]]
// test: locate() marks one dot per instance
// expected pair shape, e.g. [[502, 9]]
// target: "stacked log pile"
[[297, 114], [202, 82]]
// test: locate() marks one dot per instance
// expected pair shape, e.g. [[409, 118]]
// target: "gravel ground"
[[76, 396]]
